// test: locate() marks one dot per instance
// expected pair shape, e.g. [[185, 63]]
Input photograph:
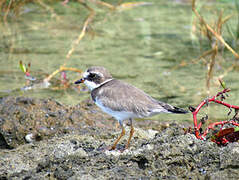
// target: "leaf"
[[224, 132], [22, 67], [236, 129], [223, 84]]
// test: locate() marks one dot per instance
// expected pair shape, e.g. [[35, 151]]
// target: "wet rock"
[[81, 151], [168, 154], [24, 120]]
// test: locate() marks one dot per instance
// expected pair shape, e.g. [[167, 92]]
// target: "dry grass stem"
[[53, 14], [7, 12], [62, 68], [211, 66], [216, 41], [218, 36], [83, 31], [105, 4]]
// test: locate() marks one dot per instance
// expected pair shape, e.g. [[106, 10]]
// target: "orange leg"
[[118, 139], [131, 134]]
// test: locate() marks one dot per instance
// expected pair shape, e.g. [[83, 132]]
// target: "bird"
[[122, 100]]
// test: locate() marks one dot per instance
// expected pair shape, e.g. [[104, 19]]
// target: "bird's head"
[[94, 77]]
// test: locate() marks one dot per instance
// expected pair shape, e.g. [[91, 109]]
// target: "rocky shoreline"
[[43, 139]]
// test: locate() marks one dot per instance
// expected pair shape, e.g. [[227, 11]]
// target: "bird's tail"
[[172, 109], [177, 110]]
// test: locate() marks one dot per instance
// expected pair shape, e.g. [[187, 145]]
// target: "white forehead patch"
[[85, 74]]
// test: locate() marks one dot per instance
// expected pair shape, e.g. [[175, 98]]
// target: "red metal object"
[[222, 133]]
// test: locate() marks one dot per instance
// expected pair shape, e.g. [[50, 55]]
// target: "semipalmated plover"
[[122, 100]]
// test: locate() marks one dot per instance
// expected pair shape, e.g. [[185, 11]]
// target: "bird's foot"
[[106, 148], [119, 147], [111, 148]]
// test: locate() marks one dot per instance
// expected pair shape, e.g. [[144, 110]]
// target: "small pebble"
[[30, 138]]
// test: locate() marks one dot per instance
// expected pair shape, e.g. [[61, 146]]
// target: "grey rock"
[[82, 153]]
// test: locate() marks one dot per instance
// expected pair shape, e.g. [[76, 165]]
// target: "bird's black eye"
[[92, 75]]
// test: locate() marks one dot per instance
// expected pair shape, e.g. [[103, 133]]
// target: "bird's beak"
[[80, 81]]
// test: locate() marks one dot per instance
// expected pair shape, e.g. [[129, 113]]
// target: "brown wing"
[[120, 96]]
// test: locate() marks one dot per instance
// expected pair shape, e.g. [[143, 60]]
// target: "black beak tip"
[[79, 81]]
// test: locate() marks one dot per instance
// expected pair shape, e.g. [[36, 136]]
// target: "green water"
[[143, 45]]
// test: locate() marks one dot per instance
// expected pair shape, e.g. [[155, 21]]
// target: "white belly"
[[119, 115]]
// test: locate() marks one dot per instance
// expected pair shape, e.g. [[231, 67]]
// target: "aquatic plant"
[[224, 135], [26, 70]]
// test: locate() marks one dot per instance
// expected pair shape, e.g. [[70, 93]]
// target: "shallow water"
[[149, 46]]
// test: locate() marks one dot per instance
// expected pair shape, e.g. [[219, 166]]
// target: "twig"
[[211, 65], [83, 31], [105, 4], [7, 12], [48, 8], [197, 126], [62, 68]]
